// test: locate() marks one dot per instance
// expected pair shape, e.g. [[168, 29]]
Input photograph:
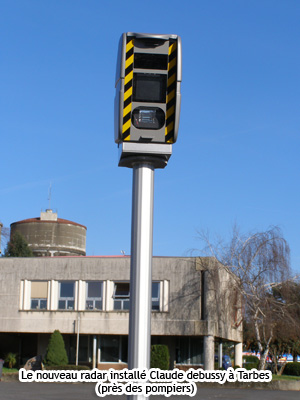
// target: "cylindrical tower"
[[52, 236], [1, 225]]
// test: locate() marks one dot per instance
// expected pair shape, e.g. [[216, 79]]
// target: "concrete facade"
[[194, 306]]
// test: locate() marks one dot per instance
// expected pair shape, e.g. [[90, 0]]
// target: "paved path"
[[86, 391]]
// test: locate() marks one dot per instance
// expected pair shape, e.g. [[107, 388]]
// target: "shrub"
[[160, 357], [292, 368], [250, 362], [56, 353], [11, 359]]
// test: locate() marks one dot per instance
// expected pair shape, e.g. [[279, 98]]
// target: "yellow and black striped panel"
[[128, 90], [171, 92]]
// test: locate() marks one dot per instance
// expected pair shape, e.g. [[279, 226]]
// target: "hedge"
[[292, 368], [160, 357], [250, 362]]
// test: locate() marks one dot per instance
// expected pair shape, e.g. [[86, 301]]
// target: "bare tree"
[[4, 236], [287, 335], [259, 262]]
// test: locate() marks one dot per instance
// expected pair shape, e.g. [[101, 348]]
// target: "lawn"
[[285, 378], [5, 370]]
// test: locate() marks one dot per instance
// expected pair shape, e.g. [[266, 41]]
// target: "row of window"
[[94, 296], [114, 348]]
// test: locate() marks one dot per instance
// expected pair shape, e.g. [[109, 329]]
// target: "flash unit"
[[148, 118]]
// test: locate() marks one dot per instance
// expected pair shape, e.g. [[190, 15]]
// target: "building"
[[195, 308], [51, 236]]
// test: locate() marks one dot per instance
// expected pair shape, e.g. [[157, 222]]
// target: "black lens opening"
[[149, 88], [151, 61]]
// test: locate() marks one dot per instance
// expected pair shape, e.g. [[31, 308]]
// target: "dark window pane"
[[126, 304], [62, 304], [183, 351], [34, 304], [190, 351], [94, 289], [67, 289], [124, 356], [98, 304], [70, 304], [118, 305], [155, 290], [121, 289], [196, 350], [43, 304], [89, 305], [109, 348]]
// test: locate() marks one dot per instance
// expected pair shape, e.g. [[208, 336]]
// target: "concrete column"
[[98, 351], [220, 354], [209, 352], [27, 295], [81, 295], [54, 295], [94, 351], [238, 354]]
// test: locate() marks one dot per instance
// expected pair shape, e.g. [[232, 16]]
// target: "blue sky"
[[237, 155]]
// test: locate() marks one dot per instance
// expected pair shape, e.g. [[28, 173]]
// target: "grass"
[[285, 378], [6, 370]]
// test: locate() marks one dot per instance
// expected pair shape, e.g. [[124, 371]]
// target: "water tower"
[[50, 236]]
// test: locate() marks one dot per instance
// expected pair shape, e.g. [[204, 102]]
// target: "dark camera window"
[[151, 61], [149, 88]]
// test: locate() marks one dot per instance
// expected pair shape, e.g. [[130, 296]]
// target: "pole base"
[[155, 154]]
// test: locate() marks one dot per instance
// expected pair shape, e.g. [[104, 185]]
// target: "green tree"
[[160, 357], [56, 352], [18, 247]]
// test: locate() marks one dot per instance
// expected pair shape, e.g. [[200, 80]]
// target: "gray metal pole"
[[77, 341], [141, 268]]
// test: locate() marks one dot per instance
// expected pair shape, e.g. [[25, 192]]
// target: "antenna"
[[49, 195]]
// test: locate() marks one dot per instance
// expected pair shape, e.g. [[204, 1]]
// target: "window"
[[93, 295], [189, 351], [121, 296], [155, 296], [113, 348], [39, 294], [66, 295]]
